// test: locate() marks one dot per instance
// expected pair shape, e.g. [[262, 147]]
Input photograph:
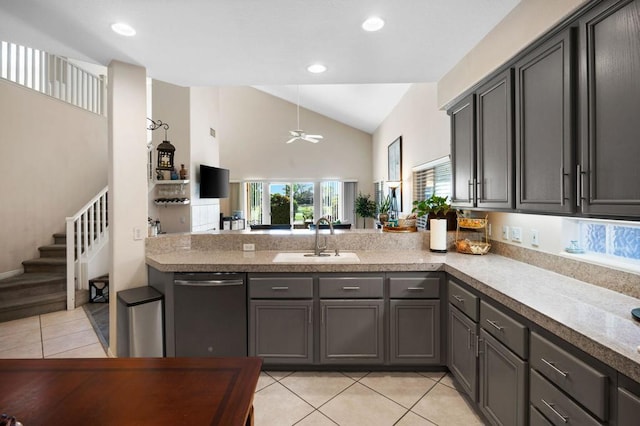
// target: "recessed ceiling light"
[[316, 68], [123, 29], [374, 23]]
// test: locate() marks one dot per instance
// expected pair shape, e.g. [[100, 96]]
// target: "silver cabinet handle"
[[415, 289], [470, 190], [556, 369], [280, 288], [563, 198], [209, 283], [551, 406], [458, 298], [468, 338], [346, 288], [495, 325]]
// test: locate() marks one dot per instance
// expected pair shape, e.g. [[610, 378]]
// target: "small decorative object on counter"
[[476, 246], [183, 172], [174, 174], [574, 248], [403, 224]]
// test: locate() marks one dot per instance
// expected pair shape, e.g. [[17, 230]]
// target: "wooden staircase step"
[[60, 238], [45, 264], [32, 305], [31, 284], [53, 250]]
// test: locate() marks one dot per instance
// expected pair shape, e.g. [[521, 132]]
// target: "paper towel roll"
[[438, 241]]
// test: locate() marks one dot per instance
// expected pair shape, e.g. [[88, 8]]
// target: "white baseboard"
[[10, 274]]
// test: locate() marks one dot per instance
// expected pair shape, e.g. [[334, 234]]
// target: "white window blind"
[[331, 195], [431, 179], [254, 203]]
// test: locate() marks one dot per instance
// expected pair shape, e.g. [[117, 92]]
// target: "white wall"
[[127, 182], [526, 22], [54, 160], [425, 135], [205, 115], [170, 103], [255, 127]]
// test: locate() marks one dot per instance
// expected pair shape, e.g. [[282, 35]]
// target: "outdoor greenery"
[[280, 209]]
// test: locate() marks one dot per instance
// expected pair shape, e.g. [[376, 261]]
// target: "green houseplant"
[[365, 207], [433, 207], [383, 209]]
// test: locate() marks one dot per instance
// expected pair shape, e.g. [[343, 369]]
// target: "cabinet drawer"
[[555, 405], [536, 418], [504, 328], [414, 287], [281, 287], [351, 287], [584, 383], [464, 300]]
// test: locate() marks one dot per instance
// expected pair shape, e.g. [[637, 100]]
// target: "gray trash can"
[[140, 323]]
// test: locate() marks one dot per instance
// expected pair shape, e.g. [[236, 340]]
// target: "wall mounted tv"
[[214, 182]]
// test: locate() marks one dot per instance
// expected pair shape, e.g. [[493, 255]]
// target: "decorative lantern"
[[165, 149]]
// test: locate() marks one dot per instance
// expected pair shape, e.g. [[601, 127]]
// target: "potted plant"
[[365, 207], [436, 208], [383, 209]]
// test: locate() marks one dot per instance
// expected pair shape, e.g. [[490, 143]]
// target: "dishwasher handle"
[[209, 283]]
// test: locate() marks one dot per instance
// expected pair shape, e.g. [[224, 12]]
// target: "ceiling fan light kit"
[[299, 134]]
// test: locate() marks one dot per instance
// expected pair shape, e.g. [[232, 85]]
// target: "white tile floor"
[[64, 334], [282, 398]]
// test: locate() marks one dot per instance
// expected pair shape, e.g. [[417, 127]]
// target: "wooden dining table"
[[130, 391]]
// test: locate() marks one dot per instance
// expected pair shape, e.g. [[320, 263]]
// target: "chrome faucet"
[[319, 249]]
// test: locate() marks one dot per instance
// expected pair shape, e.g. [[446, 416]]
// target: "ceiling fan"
[[301, 134]]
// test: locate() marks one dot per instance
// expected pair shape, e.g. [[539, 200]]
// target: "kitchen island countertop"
[[594, 319]]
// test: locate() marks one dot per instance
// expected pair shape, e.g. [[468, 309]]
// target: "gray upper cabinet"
[[545, 171], [494, 151], [463, 154], [609, 92], [482, 146]]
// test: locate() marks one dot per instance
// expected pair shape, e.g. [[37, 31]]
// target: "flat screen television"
[[214, 182]]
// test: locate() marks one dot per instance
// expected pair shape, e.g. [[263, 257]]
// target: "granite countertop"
[[592, 318]]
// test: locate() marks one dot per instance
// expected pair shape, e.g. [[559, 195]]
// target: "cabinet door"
[[281, 331], [463, 145], [462, 359], [609, 105], [545, 171], [503, 383], [415, 332], [351, 332], [628, 408], [494, 155]]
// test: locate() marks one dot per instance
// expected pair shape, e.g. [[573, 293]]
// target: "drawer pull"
[[347, 288], [565, 419], [279, 288], [458, 298], [415, 289], [556, 369], [495, 325]]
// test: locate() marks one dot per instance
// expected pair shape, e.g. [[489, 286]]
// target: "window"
[[273, 203], [432, 178], [614, 243]]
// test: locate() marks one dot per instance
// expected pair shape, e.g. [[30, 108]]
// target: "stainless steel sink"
[[327, 257]]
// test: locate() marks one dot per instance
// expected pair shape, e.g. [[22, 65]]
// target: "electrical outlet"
[[248, 247], [505, 232], [516, 234], [137, 233], [489, 229], [535, 238]]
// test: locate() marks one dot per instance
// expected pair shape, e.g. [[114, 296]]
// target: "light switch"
[[516, 234], [505, 232]]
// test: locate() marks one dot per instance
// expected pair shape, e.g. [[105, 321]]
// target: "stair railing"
[[87, 231], [54, 76]]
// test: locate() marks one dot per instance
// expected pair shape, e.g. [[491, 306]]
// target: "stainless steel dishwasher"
[[210, 311]]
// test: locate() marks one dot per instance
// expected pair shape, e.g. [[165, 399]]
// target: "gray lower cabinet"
[[609, 102], [281, 318], [414, 332], [352, 331], [463, 351], [628, 407], [503, 383], [281, 331]]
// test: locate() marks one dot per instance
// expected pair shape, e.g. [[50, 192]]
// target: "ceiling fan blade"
[[310, 139], [315, 136], [293, 139], [295, 133]]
